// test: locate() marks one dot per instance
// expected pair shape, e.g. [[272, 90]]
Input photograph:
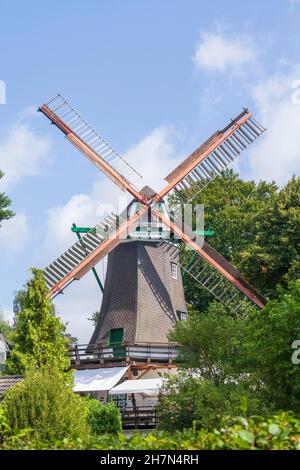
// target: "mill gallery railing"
[[119, 352]]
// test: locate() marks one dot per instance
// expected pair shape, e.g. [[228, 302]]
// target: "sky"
[[155, 78]]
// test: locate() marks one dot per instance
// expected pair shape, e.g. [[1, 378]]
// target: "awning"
[[146, 386], [93, 380]]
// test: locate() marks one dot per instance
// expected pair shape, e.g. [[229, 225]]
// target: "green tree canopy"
[[273, 255], [104, 418], [267, 352], [230, 205], [94, 317], [5, 327], [188, 400], [210, 342], [257, 230], [256, 350], [38, 338]]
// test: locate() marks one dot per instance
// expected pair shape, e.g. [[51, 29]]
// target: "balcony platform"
[[108, 355]]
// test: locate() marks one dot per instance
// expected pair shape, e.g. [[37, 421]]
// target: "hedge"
[[281, 432]]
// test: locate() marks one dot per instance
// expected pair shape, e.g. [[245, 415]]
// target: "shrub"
[[186, 400], [104, 418], [281, 432], [4, 426], [46, 404]]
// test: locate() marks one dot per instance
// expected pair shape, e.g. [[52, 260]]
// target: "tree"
[[210, 342], [230, 206], [38, 338], [188, 400], [19, 301], [257, 229], [104, 418], [5, 203], [5, 327], [95, 317], [273, 255], [268, 350], [18, 306], [256, 351], [45, 404]]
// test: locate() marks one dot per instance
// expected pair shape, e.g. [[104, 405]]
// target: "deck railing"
[[123, 352], [140, 417]]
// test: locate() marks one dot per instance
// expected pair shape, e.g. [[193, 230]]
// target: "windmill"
[[143, 292]]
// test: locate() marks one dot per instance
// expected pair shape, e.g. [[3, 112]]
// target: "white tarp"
[[146, 386], [92, 380]]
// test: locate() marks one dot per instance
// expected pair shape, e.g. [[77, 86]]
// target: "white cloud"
[[14, 233], [277, 155], [81, 209], [154, 156], [216, 52], [22, 153], [77, 304]]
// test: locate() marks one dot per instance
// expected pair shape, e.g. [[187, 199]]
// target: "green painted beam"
[[74, 228], [205, 233]]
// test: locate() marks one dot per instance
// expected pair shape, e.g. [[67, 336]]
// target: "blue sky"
[[155, 78]]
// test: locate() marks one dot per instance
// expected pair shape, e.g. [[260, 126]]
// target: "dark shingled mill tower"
[[143, 292]]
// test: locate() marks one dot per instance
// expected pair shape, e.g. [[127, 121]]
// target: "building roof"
[[147, 191], [91, 380], [4, 341], [7, 381], [146, 386]]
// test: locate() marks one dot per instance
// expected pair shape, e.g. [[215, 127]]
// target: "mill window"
[[174, 270]]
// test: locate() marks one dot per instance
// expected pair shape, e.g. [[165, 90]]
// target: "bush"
[[186, 400], [281, 432], [46, 404], [4, 426], [104, 418]]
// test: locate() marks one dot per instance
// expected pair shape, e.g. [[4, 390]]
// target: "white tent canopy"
[[146, 386], [92, 380]]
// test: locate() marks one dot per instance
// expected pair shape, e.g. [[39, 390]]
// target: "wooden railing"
[[123, 352], [140, 417]]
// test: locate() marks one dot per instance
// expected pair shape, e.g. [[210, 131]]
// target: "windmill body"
[[142, 297], [143, 292]]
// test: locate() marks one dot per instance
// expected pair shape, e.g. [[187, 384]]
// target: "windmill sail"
[[89, 250], [216, 274], [65, 264], [205, 274], [91, 144], [213, 157], [213, 265]]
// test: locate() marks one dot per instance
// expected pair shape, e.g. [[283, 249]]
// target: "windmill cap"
[[147, 191]]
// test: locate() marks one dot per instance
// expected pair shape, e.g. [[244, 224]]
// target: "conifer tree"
[[38, 339]]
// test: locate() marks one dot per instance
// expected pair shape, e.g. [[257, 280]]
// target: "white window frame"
[[174, 270], [182, 316]]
